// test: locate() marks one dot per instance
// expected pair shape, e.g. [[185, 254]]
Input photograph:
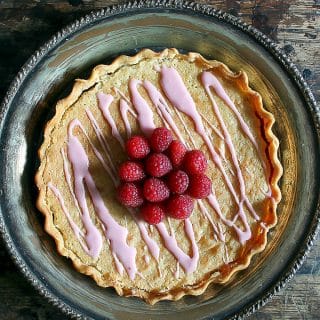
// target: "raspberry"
[[130, 171], [160, 139], [178, 181], [176, 152], [137, 147], [155, 190], [200, 186], [158, 164], [130, 195], [152, 213], [180, 206], [195, 162]]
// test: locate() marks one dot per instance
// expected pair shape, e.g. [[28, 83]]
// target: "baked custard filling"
[[205, 106]]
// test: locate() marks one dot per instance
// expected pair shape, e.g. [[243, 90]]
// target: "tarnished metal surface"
[[98, 38]]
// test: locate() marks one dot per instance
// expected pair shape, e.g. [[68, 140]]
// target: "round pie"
[[207, 107]]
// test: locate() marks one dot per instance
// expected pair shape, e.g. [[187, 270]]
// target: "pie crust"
[[223, 232]]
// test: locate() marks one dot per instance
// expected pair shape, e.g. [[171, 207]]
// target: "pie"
[[207, 107]]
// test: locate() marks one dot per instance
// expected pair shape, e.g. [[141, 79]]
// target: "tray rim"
[[201, 9]]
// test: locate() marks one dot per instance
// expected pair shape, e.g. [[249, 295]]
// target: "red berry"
[[130, 171], [200, 186], [155, 190], [152, 213], [130, 195], [176, 152], [160, 139], [137, 147], [178, 181], [195, 162], [158, 164], [180, 206]]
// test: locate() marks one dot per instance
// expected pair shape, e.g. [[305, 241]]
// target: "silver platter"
[[125, 29]]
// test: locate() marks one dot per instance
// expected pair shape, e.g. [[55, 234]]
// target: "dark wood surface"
[[294, 25]]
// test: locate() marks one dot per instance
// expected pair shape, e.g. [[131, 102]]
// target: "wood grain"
[[294, 25]]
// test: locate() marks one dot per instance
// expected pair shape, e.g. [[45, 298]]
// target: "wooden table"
[[294, 25]]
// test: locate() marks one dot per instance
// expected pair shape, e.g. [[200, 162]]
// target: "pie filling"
[[206, 107]]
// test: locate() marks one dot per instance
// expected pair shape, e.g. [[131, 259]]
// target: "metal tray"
[[98, 38]]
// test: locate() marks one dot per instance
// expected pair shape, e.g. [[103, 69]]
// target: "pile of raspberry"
[[162, 177]]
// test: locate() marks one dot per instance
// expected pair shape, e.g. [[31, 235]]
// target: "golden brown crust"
[[240, 81]]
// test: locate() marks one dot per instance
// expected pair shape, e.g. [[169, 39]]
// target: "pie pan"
[[125, 29]]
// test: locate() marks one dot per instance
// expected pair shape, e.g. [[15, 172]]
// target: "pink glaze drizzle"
[[145, 114], [76, 230], [214, 129], [127, 100], [103, 142], [207, 79], [147, 125], [208, 216], [110, 168], [243, 235], [212, 81], [115, 233], [124, 108], [152, 245], [104, 102], [119, 266], [146, 259], [92, 235], [180, 97], [113, 176], [75, 200], [186, 128], [177, 272], [263, 225], [225, 255], [68, 178], [189, 264], [160, 103]]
